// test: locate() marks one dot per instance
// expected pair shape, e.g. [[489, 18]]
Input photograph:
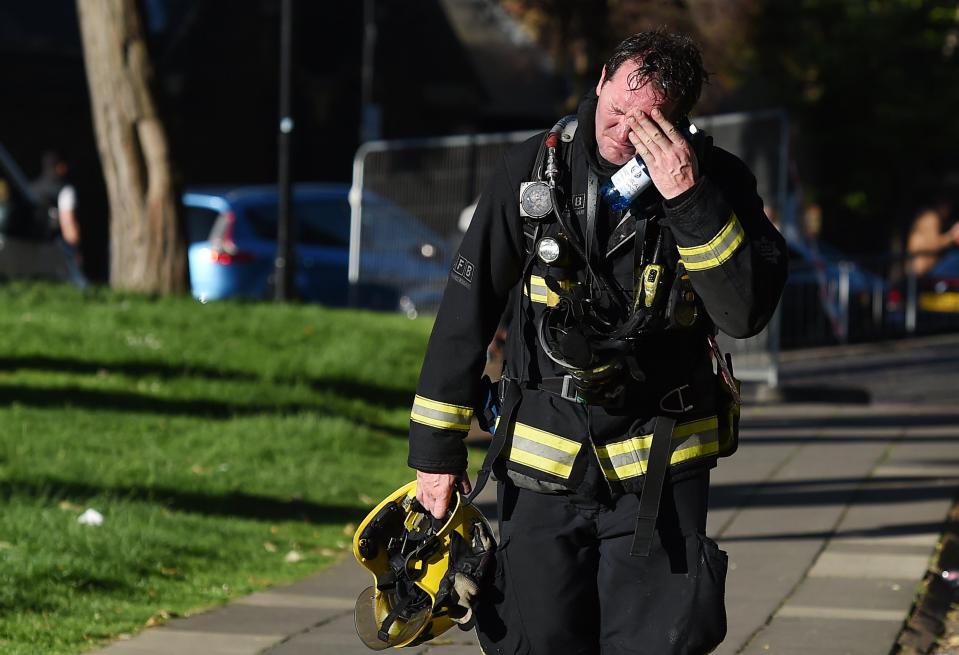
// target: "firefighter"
[[611, 413]]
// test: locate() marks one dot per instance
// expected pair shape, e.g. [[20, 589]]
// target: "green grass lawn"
[[219, 442]]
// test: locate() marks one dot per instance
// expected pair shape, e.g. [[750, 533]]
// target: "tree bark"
[[147, 241]]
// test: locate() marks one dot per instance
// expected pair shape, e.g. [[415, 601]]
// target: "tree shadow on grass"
[[132, 368], [234, 504], [122, 401], [378, 394]]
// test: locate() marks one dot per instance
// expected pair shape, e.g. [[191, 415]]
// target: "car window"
[[386, 225], [323, 222], [199, 223]]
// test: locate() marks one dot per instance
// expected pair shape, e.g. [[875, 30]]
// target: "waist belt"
[[563, 387]]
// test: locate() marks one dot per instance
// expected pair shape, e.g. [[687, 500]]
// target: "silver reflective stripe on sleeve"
[[441, 415], [718, 250]]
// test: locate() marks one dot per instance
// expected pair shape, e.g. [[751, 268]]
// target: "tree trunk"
[[147, 244]]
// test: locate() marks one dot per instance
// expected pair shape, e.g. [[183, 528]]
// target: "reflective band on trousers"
[[543, 451], [720, 248], [441, 415], [628, 459]]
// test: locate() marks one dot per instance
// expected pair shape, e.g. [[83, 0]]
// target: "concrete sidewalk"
[[830, 515]]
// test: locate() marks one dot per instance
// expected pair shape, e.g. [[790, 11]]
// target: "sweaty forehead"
[[645, 96]]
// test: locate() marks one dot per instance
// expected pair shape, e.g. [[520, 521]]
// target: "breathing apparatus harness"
[[596, 337]]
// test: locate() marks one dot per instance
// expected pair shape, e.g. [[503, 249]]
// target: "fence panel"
[[760, 139], [408, 201]]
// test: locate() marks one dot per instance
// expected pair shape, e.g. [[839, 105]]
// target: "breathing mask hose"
[[552, 175]]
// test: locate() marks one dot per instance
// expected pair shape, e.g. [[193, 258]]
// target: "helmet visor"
[[371, 610]]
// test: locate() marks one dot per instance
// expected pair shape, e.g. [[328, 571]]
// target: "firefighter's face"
[[617, 101]]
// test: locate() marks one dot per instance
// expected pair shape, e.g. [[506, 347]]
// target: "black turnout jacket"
[[736, 263]]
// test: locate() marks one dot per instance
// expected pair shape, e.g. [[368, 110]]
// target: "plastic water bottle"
[[626, 184]]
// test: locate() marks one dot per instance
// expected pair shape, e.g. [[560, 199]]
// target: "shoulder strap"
[[565, 148], [499, 437], [570, 130], [652, 493]]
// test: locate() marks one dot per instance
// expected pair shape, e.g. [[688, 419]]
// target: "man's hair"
[[671, 61]]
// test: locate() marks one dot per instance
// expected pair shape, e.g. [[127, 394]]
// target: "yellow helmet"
[[426, 572]]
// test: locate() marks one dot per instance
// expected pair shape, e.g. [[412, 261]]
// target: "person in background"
[[928, 236], [55, 192]]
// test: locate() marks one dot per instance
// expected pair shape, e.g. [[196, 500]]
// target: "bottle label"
[[631, 179]]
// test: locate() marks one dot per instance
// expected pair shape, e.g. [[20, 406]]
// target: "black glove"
[[468, 563]]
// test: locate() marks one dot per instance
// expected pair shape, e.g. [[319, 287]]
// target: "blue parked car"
[[937, 297], [939, 288], [232, 236]]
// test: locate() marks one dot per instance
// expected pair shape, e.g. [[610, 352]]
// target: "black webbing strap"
[[659, 452], [592, 192], [499, 440], [383, 634]]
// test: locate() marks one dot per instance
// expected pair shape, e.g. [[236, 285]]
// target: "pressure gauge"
[[548, 250], [535, 200]]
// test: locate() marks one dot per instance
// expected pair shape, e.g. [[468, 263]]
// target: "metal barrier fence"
[[761, 140], [423, 186], [831, 299], [433, 183]]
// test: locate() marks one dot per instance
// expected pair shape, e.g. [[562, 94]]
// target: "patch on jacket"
[[579, 201], [463, 271]]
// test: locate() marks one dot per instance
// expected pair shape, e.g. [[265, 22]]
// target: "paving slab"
[[869, 594], [191, 642], [865, 565], [823, 636]]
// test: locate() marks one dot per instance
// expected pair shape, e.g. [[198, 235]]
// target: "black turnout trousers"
[[565, 584]]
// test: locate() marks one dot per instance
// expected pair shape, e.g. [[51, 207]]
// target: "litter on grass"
[[90, 517]]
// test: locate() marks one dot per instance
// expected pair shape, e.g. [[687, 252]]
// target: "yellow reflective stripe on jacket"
[[543, 451], [542, 293], [628, 458], [718, 250], [538, 290], [441, 415]]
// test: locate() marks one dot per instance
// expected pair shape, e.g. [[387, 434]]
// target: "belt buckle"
[[569, 389]]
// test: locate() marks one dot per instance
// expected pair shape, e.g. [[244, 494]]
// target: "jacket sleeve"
[[484, 270], [735, 257]]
